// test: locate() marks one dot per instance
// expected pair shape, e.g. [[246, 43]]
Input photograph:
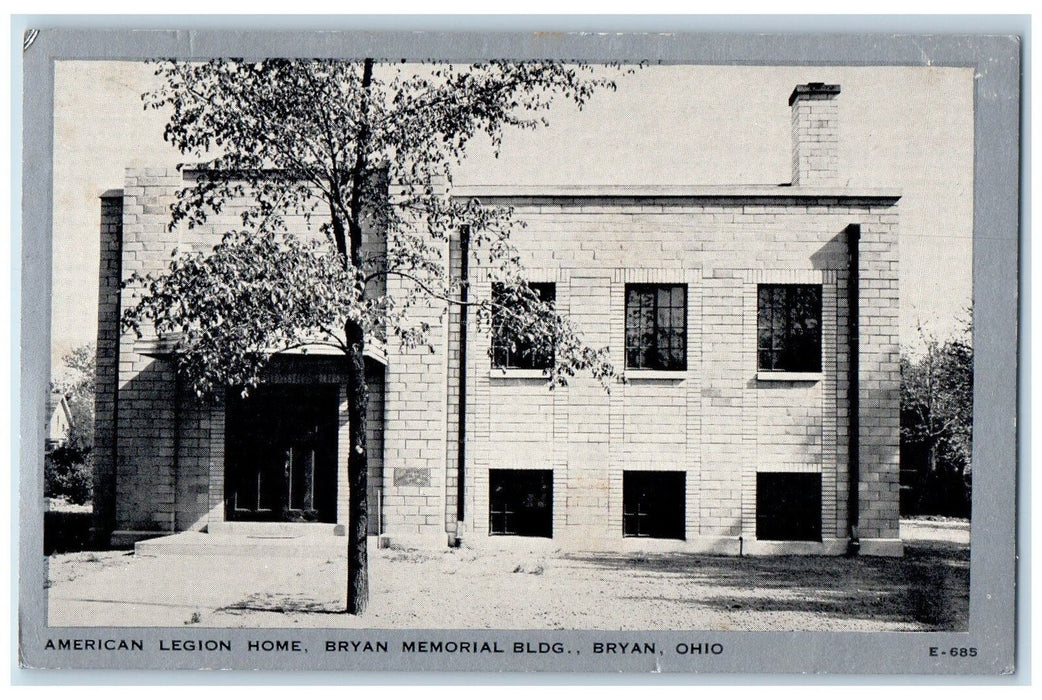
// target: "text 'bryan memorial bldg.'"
[[757, 327]]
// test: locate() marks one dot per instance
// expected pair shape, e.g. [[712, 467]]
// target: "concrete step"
[[256, 529], [314, 545]]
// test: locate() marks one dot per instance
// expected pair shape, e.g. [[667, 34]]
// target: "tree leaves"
[[76, 382], [252, 295], [368, 151], [937, 400]]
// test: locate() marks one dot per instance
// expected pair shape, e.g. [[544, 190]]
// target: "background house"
[[59, 421]]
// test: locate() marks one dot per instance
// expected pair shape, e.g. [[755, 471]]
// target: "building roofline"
[[785, 190], [678, 191]]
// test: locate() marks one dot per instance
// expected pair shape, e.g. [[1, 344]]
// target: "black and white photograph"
[[372, 361]]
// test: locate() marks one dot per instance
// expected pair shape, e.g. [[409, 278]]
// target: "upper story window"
[[788, 328], [511, 349], [656, 326]]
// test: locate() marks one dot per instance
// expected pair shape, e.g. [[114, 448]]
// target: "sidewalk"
[[927, 589]]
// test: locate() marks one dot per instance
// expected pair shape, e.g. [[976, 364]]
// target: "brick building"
[[757, 327]]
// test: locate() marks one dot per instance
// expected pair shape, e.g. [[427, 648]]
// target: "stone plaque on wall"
[[412, 476]]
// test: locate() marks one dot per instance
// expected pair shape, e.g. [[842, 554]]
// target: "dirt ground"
[[927, 589]]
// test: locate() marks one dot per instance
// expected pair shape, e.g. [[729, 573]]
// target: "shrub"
[[69, 472]]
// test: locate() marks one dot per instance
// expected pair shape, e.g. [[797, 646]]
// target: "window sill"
[[789, 376], [499, 373], [641, 374]]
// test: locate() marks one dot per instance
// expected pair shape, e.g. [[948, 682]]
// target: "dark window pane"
[[656, 326], [521, 502], [653, 504], [664, 294], [788, 506], [665, 318], [788, 333]]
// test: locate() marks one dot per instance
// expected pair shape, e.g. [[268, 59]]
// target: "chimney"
[[815, 135]]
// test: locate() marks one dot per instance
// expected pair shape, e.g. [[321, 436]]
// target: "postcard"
[[519, 352]]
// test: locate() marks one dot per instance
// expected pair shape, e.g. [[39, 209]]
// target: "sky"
[[909, 128]]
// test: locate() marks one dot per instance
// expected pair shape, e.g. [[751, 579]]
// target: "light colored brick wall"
[[107, 363], [199, 473], [153, 489], [880, 375], [716, 422], [416, 424], [374, 444], [452, 395], [815, 140], [145, 479]]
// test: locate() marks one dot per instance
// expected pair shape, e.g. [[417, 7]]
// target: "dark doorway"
[[280, 463], [521, 502], [653, 504], [788, 506]]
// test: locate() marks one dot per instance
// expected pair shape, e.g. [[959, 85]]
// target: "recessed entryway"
[[280, 463]]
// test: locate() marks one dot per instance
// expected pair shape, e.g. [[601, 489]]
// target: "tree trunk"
[[357, 475], [928, 497], [357, 390]]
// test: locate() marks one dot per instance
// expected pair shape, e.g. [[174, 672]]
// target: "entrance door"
[[280, 462]]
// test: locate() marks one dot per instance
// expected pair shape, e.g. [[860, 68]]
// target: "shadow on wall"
[[832, 255], [142, 492]]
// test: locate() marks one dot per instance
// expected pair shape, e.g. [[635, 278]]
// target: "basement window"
[[653, 504], [788, 506], [788, 328], [656, 326], [520, 502], [510, 348]]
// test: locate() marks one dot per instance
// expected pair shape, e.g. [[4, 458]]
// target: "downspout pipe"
[[461, 426], [176, 458], [853, 232]]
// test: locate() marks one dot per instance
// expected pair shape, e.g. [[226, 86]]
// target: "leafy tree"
[[68, 468], [69, 472], [76, 384], [937, 422], [357, 148]]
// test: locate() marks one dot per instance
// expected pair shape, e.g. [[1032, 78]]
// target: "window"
[[656, 326], [509, 350], [789, 328], [788, 506], [521, 502], [653, 504]]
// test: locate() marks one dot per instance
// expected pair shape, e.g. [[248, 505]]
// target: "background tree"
[[68, 468], [937, 424], [75, 382], [355, 147]]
